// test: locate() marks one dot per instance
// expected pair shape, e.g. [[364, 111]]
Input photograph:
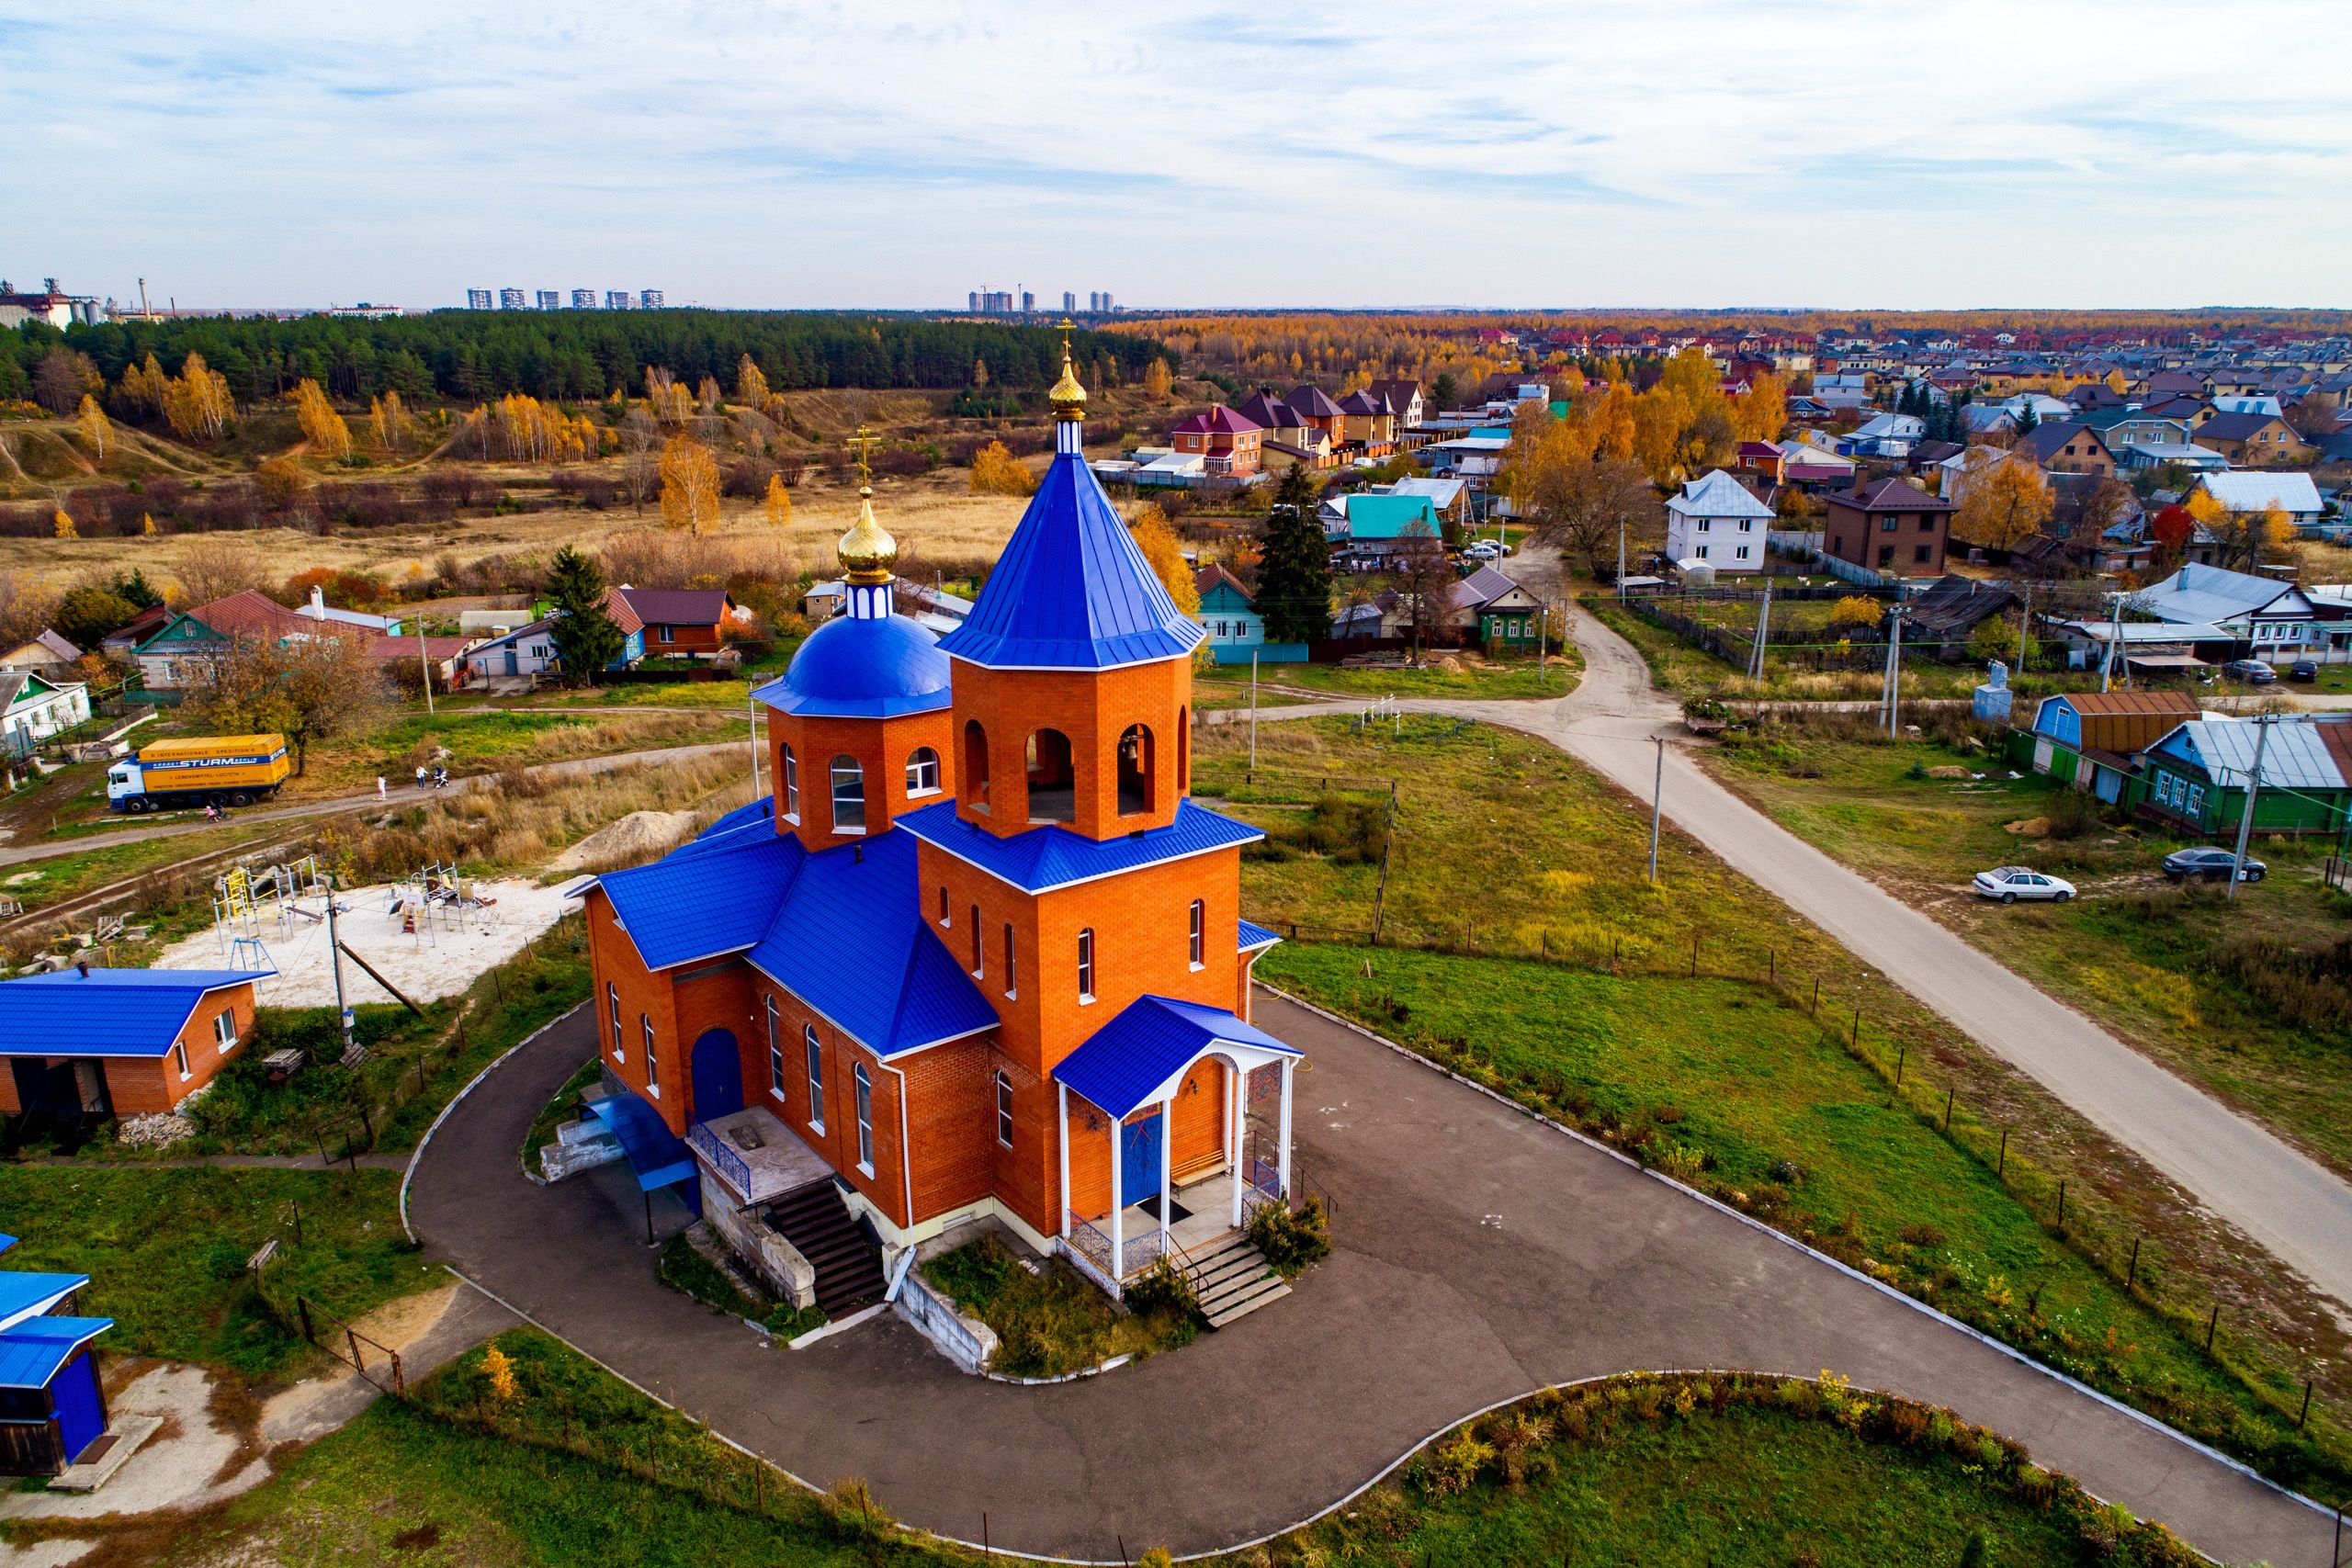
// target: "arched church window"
[[922, 771], [1137, 794], [1053, 780]]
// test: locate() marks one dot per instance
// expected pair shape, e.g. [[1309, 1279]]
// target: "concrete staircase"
[[1232, 1280], [848, 1263]]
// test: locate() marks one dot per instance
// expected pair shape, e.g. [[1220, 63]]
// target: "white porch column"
[[1283, 1152], [1118, 1203], [1166, 1168], [1061, 1139], [1234, 1078]]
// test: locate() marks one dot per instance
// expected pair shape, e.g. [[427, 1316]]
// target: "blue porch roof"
[[1150, 1041], [23, 1296], [1254, 935], [1050, 855], [1072, 590], [33, 1353], [657, 1157], [107, 1013]]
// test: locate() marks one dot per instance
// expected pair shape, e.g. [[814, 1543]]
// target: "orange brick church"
[[978, 953]]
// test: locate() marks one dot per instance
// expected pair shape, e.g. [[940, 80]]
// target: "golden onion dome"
[[1068, 397], [867, 552]]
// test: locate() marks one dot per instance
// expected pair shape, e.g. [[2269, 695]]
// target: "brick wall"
[[882, 747], [1092, 711], [139, 1086], [614, 964]]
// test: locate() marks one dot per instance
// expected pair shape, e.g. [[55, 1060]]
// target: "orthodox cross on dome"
[[867, 552], [1068, 397]]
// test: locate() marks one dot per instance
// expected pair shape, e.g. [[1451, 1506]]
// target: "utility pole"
[[2253, 793], [1763, 631], [1658, 796], [334, 952], [1253, 710], [425, 663], [1889, 709], [1621, 558], [2114, 637], [2025, 625]]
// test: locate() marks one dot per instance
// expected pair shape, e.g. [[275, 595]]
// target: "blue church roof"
[[863, 669], [1072, 591], [1147, 1042], [1050, 855], [109, 1012], [687, 905]]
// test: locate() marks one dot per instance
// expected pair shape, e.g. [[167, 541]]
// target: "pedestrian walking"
[[381, 794], [420, 776]]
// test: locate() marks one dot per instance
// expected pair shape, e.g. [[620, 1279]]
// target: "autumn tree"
[[586, 636], [1423, 578], [96, 429], [214, 566], [63, 379], [142, 388], [87, 614], [305, 688], [2241, 537], [321, 426], [197, 403], [1156, 539], [689, 485], [1595, 505], [61, 521], [1157, 382], [1857, 610], [2004, 503], [996, 471], [1295, 564], [282, 480], [388, 417], [777, 502], [750, 386], [671, 404]]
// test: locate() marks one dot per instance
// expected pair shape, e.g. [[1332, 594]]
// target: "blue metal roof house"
[[53, 1405], [94, 1043]]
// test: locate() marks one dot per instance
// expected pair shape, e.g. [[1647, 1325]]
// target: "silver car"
[[2010, 883]]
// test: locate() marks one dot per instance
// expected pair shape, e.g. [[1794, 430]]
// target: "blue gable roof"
[[850, 941], [1072, 590], [1148, 1042], [1050, 855], [27, 1296], [687, 905], [109, 1012], [34, 1352]]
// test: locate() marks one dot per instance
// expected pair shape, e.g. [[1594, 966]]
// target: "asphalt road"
[[404, 795], [2281, 1196], [1479, 1254]]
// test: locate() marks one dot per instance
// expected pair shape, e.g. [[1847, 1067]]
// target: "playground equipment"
[[254, 901], [436, 900]]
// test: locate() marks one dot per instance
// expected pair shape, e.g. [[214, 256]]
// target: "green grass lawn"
[[578, 1469], [166, 1250], [2246, 998], [1726, 1085], [1051, 1322]]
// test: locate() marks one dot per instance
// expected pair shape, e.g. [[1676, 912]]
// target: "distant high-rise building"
[[551, 299], [1069, 301], [1094, 300], [583, 298], [616, 299], [478, 299], [972, 303], [1028, 303], [510, 299], [649, 298], [1107, 306]]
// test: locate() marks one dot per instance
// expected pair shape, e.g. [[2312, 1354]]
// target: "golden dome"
[[1068, 397], [867, 552]]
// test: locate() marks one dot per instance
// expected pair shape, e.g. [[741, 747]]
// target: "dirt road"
[[2241, 1171]]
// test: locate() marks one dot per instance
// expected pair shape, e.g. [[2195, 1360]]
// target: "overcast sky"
[[750, 152]]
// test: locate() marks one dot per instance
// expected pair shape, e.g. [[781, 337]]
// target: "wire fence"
[[2065, 1205]]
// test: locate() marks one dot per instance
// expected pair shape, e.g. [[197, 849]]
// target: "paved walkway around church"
[[1479, 1254], [2246, 1174]]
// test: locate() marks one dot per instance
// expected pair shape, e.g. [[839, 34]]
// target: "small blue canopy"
[[25, 1296], [1130, 1059], [657, 1157], [33, 1353]]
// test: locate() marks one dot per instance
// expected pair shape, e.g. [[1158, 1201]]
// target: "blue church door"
[[75, 1391], [718, 1076], [1140, 1159]]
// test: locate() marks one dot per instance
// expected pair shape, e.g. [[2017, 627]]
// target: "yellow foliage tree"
[[65, 529], [389, 418], [1857, 610], [671, 403], [1157, 382], [751, 387], [996, 471], [282, 480], [197, 403], [1763, 413], [143, 385], [95, 430], [321, 426], [689, 485], [498, 1371], [778, 502], [1158, 541], [2004, 503], [707, 394], [1612, 422], [147, 523]]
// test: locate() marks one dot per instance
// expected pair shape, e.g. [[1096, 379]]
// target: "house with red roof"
[[1227, 441], [690, 623], [977, 954]]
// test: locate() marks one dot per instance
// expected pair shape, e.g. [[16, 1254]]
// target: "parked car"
[[2253, 672], [2210, 864], [2303, 670], [1485, 549], [2010, 883]]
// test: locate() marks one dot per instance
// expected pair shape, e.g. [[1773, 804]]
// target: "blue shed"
[[52, 1407]]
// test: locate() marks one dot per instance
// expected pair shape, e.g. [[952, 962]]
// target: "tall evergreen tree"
[[585, 638], [1295, 564]]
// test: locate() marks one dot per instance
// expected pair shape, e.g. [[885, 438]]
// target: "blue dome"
[[857, 669]]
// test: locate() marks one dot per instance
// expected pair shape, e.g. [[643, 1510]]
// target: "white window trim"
[[813, 1051], [1196, 947], [1004, 1122], [1086, 966], [1012, 965], [613, 997], [224, 1029], [863, 1091], [179, 1059], [791, 786], [775, 1050], [652, 1057]]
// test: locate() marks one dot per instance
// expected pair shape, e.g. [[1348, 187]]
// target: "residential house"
[[46, 653], [445, 657], [2165, 384], [1950, 608], [1225, 441], [529, 650], [1716, 521], [1476, 457], [2196, 776], [124, 640], [34, 709], [1499, 612], [1314, 409], [2293, 493], [1236, 633], [2139, 455], [1287, 438], [2068, 448], [1890, 525], [1449, 498], [1886, 435], [1374, 527], [689, 623], [2253, 440], [94, 1041], [1367, 424], [1404, 400], [2263, 618], [2092, 739], [2126, 427], [174, 658]]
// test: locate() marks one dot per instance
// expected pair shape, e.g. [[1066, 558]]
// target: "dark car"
[[2303, 670], [2253, 672], [2208, 864]]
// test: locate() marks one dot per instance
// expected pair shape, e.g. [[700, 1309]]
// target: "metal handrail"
[[711, 1146]]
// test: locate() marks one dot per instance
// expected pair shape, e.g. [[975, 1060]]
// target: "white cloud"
[[1598, 153]]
